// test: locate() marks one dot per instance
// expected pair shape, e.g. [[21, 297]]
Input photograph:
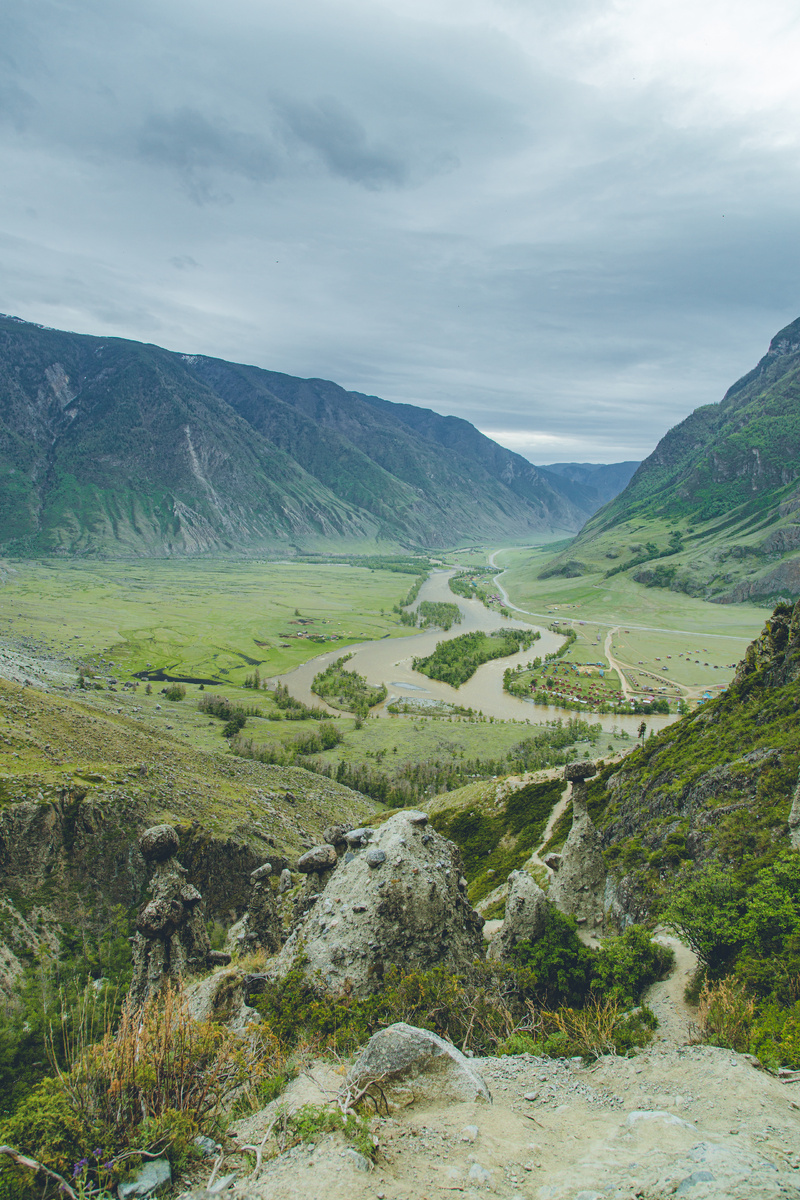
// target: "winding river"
[[389, 661]]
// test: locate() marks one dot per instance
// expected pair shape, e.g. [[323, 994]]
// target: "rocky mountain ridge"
[[713, 510], [113, 447]]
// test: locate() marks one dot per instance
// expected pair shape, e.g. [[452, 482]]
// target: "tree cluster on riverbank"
[[347, 690], [457, 660]]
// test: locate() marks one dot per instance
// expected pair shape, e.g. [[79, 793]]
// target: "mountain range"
[[114, 447], [714, 511]]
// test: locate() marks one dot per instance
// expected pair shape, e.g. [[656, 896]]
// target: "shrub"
[[626, 965], [559, 964], [151, 1085], [175, 691], [725, 1015], [312, 1121]]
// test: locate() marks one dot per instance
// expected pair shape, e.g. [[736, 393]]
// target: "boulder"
[[579, 771], [405, 1059], [317, 860], [358, 837], [261, 873], [158, 843], [407, 910], [285, 881], [336, 835], [526, 915]]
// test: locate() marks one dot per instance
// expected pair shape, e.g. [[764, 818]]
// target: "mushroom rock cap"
[[158, 843]]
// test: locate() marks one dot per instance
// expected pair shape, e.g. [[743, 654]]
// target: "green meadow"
[[207, 620], [690, 642]]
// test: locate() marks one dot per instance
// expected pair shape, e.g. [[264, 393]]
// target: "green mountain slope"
[[713, 510], [111, 446]]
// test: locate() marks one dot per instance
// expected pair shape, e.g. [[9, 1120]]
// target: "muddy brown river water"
[[389, 662]]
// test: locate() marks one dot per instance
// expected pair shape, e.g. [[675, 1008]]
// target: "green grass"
[[499, 837], [657, 632], [209, 620]]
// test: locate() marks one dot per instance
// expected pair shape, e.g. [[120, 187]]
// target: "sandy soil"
[[675, 1120]]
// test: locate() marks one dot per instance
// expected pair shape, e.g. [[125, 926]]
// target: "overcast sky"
[[570, 223]]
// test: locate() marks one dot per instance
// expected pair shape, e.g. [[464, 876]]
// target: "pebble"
[[479, 1174], [469, 1133]]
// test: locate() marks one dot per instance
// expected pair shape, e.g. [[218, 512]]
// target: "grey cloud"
[[415, 209], [200, 149], [340, 141], [16, 105]]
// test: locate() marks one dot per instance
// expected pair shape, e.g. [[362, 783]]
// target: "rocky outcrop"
[[579, 886], [414, 1065], [260, 927], [400, 900], [171, 938], [526, 915], [794, 820], [776, 652]]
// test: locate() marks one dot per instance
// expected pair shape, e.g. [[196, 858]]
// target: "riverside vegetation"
[[456, 661]]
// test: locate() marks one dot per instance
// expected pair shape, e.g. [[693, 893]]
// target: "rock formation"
[[579, 886], [171, 938], [399, 901], [260, 927], [794, 820], [526, 914]]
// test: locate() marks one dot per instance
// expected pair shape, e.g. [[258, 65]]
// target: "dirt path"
[[695, 1122], [558, 810], [676, 1018], [615, 664]]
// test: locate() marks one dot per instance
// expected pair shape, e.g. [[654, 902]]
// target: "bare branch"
[[23, 1161]]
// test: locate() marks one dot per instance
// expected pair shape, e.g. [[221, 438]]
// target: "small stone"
[[375, 857], [147, 1181], [260, 873], [479, 1174], [469, 1133], [359, 1161], [531, 1096], [207, 1146], [285, 880]]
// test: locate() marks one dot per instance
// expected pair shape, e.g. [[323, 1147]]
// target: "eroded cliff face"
[[773, 659], [69, 864]]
